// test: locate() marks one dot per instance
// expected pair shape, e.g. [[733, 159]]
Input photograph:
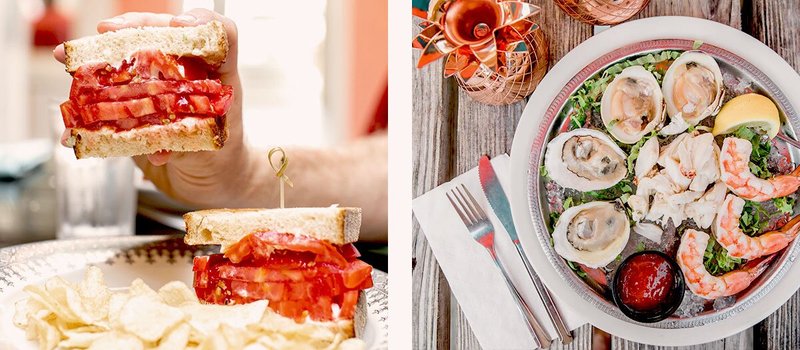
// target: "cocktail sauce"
[[645, 282]]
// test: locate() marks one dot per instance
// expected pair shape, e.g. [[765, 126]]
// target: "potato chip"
[[48, 335], [81, 339], [94, 293], [117, 341], [138, 287], [176, 293], [115, 304], [214, 341], [207, 318], [176, 339], [51, 303], [146, 317]]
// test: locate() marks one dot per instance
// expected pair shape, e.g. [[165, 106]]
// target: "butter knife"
[[501, 207]]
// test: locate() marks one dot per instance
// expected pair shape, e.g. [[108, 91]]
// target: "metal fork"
[[482, 231]]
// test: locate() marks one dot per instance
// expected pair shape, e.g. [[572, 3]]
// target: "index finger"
[[134, 19]]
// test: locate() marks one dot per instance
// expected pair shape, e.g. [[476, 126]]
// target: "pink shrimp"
[[735, 173], [740, 245], [701, 282]]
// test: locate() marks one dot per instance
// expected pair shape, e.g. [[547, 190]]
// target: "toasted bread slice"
[[185, 135], [228, 226], [208, 42]]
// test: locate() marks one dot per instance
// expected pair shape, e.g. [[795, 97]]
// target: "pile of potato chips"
[[91, 316]]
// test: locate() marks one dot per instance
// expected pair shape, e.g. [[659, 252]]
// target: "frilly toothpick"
[[280, 169]]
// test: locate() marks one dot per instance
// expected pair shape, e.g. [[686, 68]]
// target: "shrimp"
[[740, 245], [735, 172], [701, 282]]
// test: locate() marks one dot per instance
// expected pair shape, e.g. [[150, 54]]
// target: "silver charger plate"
[[156, 260], [553, 121]]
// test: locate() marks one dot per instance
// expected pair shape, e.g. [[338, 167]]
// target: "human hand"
[[189, 176]]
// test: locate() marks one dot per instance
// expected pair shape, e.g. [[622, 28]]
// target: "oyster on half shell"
[[592, 234], [693, 87], [585, 160], [632, 105]]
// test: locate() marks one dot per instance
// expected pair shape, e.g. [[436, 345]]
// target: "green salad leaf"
[[759, 158], [784, 204], [617, 191], [717, 261], [577, 269], [754, 218]]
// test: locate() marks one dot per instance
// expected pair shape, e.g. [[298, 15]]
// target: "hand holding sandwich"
[[238, 176]]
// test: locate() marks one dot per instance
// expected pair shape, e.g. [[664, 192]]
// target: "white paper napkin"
[[474, 279]]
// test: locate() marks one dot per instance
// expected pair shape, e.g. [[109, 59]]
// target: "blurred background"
[[313, 73]]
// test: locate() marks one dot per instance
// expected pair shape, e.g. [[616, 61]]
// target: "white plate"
[[155, 259], [737, 42]]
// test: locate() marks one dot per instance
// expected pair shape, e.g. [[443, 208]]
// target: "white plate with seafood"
[[654, 92]]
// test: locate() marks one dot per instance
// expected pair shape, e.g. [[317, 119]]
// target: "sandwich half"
[[143, 90], [299, 259]]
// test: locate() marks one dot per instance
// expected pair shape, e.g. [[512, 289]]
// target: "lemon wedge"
[[753, 110]]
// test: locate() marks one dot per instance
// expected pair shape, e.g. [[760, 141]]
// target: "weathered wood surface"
[[450, 132], [777, 24]]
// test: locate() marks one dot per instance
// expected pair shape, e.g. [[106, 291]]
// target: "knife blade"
[[498, 201]]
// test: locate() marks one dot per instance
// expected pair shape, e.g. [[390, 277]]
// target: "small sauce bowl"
[[648, 286]]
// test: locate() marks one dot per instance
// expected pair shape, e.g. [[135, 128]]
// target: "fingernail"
[[115, 20], [185, 18]]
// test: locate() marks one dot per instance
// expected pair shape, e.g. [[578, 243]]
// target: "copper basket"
[[525, 70], [602, 12]]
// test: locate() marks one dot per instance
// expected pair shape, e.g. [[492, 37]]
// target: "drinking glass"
[[95, 197]]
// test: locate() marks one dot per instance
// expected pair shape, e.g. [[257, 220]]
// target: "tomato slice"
[[349, 252], [300, 276], [150, 86], [262, 244], [89, 95], [356, 273], [165, 107], [348, 304]]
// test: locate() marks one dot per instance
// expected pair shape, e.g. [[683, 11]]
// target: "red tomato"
[[348, 306], [300, 276], [349, 252]]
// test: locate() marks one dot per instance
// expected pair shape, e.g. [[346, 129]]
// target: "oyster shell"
[[632, 105], [592, 234], [692, 87], [585, 160]]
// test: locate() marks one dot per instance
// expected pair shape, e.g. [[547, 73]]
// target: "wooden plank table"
[[450, 132]]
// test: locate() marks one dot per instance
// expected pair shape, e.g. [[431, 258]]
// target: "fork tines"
[[467, 207]]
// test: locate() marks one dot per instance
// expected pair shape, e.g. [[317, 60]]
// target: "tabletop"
[[450, 132]]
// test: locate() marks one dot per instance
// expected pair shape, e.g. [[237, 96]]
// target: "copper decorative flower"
[[474, 33]]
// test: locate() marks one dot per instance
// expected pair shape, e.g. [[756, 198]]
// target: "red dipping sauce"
[[645, 282]]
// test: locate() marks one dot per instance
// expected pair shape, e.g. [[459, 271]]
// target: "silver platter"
[[554, 118]]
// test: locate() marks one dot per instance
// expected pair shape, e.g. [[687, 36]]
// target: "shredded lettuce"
[[754, 218], [617, 191], [634, 153], [784, 204], [577, 269], [717, 261], [761, 148]]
